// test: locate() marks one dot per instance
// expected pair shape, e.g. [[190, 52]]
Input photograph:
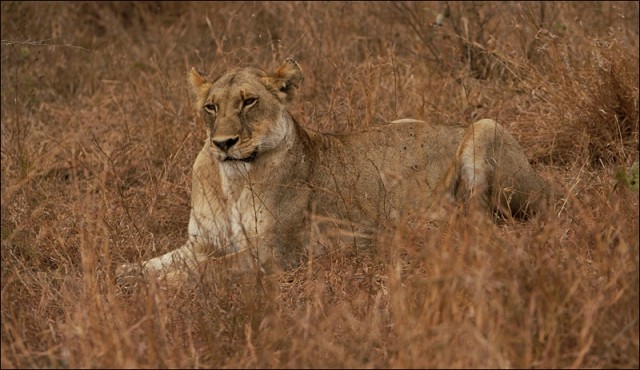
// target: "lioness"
[[261, 180]]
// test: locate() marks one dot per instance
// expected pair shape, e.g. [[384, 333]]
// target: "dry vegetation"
[[99, 134]]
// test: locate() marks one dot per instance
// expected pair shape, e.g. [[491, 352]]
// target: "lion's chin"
[[250, 158]]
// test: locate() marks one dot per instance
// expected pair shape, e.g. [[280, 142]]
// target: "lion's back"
[[376, 172]]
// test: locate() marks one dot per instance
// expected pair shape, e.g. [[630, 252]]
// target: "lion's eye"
[[249, 102], [211, 108]]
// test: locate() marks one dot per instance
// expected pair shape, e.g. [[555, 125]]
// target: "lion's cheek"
[[275, 134]]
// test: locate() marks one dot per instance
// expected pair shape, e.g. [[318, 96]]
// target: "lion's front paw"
[[129, 276]]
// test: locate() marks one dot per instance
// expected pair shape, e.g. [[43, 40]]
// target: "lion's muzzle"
[[225, 145], [247, 159]]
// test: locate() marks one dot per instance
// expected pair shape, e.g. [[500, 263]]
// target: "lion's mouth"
[[248, 159]]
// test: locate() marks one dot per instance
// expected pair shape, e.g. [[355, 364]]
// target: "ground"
[[99, 135]]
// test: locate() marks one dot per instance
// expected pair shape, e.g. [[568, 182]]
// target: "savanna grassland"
[[99, 135]]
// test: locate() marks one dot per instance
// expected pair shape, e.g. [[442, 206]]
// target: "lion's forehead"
[[237, 77], [232, 85]]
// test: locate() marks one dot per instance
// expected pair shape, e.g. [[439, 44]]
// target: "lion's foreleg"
[[172, 267], [186, 257]]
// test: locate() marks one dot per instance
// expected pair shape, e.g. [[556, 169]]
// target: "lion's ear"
[[199, 85], [285, 81]]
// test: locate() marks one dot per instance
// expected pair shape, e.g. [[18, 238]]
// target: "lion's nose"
[[226, 144]]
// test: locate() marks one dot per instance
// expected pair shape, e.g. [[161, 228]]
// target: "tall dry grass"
[[98, 138]]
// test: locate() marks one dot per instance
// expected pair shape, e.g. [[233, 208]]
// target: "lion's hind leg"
[[491, 170]]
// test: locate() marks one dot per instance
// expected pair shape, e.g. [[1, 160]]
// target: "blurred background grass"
[[99, 135]]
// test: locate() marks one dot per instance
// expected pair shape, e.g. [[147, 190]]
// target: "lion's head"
[[244, 109]]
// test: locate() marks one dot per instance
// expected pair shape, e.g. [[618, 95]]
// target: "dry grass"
[[98, 138]]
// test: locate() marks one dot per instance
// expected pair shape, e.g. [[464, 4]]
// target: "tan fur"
[[262, 181]]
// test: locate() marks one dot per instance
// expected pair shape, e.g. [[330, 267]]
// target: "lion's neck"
[[288, 161]]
